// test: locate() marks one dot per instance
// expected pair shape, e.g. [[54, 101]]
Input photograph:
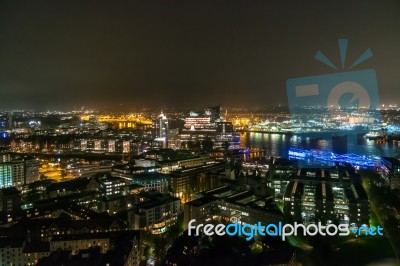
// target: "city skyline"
[[62, 55], [131, 132]]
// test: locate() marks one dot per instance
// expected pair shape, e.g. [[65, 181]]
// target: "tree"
[[160, 249], [146, 252]]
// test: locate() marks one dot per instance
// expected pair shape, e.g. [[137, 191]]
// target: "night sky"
[[61, 54]]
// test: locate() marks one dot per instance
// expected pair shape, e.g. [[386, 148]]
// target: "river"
[[279, 144]]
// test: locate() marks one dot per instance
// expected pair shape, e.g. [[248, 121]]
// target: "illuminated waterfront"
[[279, 144]]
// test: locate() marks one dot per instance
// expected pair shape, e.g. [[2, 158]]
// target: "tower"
[[160, 129]]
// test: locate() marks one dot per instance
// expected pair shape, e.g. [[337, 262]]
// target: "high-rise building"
[[6, 179], [326, 195], [390, 171], [155, 211], [112, 185], [12, 174], [31, 170], [17, 172], [160, 129]]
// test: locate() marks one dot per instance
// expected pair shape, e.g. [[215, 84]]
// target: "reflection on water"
[[278, 144]]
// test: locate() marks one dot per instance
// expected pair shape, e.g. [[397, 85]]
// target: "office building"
[[155, 211], [187, 183], [160, 130], [326, 195], [151, 181], [390, 171], [12, 173], [111, 185]]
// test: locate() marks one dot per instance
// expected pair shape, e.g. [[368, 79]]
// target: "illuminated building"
[[12, 174], [145, 163], [126, 146], [161, 130], [278, 177], [90, 144], [114, 204], [188, 182], [5, 157], [97, 145], [162, 161], [151, 181], [246, 207], [6, 179], [127, 171], [208, 126], [111, 146], [195, 122], [79, 242], [390, 171], [83, 145], [249, 169], [134, 120], [102, 145], [326, 195], [17, 252], [111, 185], [172, 138], [203, 121], [201, 209], [31, 170], [17, 172], [155, 212]]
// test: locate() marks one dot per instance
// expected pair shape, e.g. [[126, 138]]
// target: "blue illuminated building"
[[6, 175]]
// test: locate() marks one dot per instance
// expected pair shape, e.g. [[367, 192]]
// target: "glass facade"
[[5, 176]]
